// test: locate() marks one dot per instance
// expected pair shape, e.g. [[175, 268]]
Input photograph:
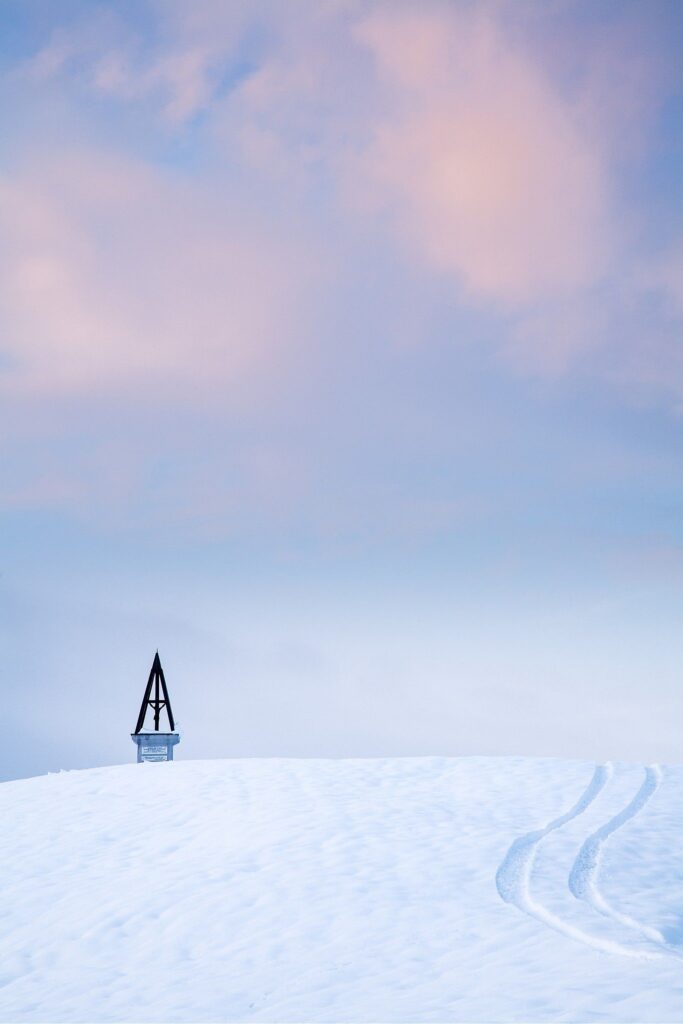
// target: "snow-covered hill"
[[385, 890]]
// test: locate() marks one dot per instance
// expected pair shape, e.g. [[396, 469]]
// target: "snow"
[[405, 889]]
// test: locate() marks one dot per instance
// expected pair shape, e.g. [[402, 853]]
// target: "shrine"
[[156, 744]]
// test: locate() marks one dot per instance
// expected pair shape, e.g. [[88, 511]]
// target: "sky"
[[341, 362]]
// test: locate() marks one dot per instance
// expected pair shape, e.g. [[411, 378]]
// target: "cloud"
[[118, 276], [177, 64], [182, 79], [201, 197], [485, 169], [434, 118]]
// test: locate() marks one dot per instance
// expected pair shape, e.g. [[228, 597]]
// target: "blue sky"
[[340, 360]]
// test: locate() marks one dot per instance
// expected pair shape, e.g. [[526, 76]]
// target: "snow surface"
[[416, 889]]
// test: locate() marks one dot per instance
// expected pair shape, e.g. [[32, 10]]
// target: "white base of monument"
[[155, 746]]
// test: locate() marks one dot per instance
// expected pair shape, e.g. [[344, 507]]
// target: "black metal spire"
[[156, 676]]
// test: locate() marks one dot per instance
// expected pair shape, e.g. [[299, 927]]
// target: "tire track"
[[514, 875], [583, 877]]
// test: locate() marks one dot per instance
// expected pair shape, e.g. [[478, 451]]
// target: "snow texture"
[[415, 889]]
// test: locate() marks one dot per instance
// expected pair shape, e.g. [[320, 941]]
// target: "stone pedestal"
[[155, 746]]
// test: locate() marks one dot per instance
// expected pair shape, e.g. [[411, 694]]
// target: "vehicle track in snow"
[[584, 875], [514, 874]]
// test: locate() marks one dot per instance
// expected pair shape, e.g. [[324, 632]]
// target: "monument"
[[155, 745]]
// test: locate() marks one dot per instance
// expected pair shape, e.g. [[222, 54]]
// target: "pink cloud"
[[487, 172], [486, 144], [115, 275], [177, 69], [431, 115], [182, 79]]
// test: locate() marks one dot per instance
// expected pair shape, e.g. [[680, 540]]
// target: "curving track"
[[513, 878]]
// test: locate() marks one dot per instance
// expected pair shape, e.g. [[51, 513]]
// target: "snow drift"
[[416, 889]]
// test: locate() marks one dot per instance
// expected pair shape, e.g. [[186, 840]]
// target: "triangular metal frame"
[[156, 677]]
